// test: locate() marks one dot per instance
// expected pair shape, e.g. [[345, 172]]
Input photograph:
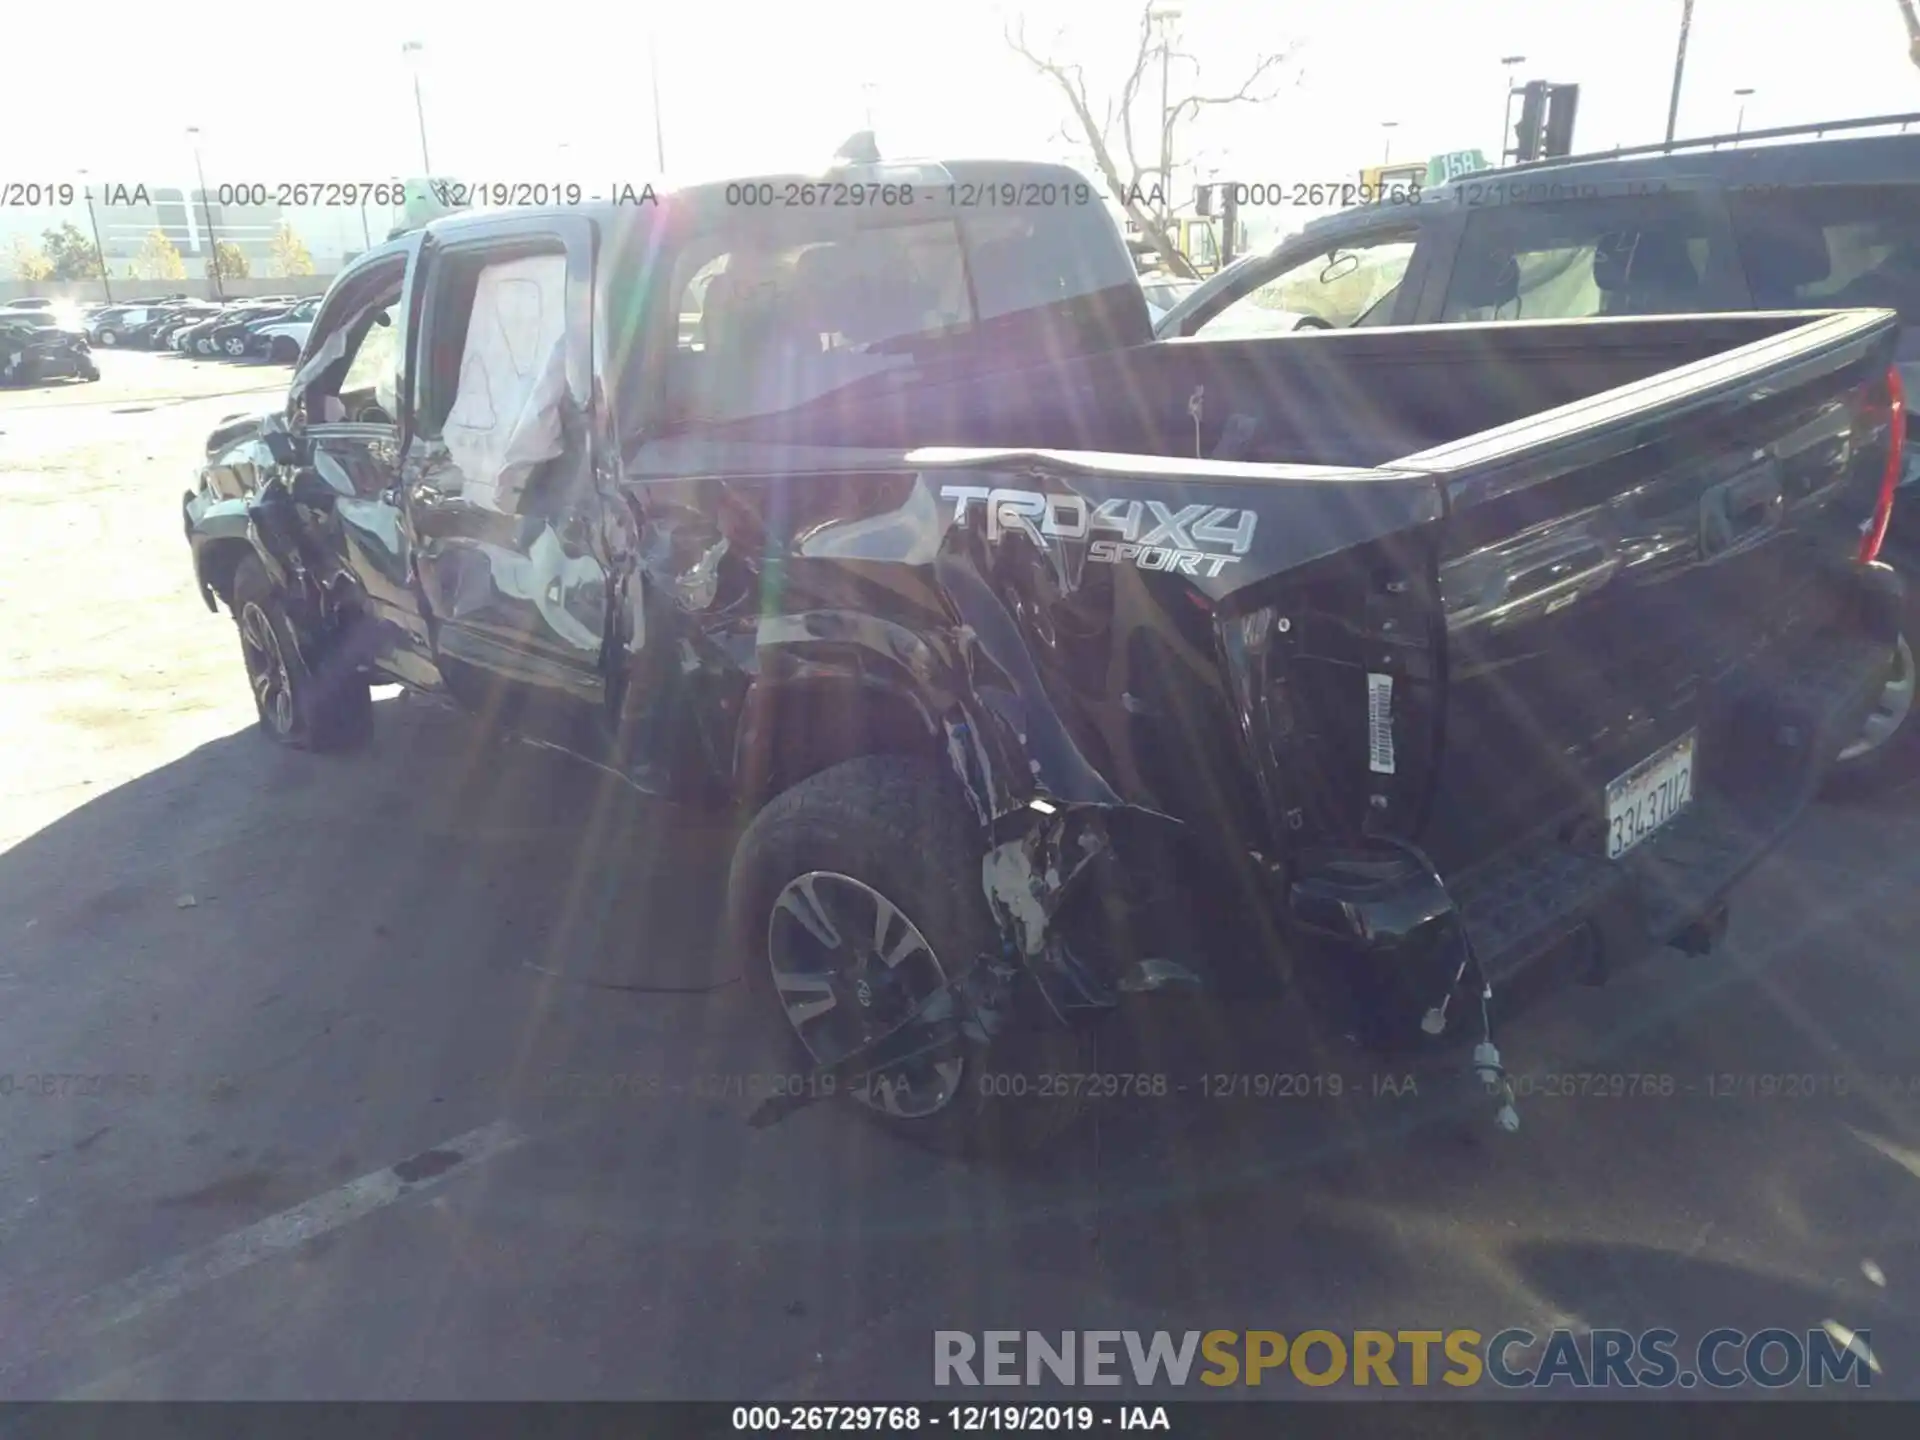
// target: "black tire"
[[108, 337], [328, 709], [895, 825], [1894, 758], [285, 350]]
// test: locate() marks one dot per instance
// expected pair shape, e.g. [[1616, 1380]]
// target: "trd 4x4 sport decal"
[[1194, 540]]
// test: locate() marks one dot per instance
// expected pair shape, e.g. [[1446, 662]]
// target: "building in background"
[[128, 212]]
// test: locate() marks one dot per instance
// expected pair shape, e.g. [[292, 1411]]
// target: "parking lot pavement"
[[424, 1076]]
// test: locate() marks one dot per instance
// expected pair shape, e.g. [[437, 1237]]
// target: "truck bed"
[[1494, 573]]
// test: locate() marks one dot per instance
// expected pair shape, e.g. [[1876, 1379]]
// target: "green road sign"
[[1453, 164]]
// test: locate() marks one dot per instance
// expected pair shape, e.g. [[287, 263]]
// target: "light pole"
[[1506, 113], [659, 135], [413, 50], [866, 94], [1740, 121], [99, 250], [1387, 154], [206, 209], [1679, 66]]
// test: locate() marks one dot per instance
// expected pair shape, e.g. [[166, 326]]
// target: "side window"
[[1832, 247], [353, 353], [1349, 284], [495, 376], [1584, 258], [765, 322]]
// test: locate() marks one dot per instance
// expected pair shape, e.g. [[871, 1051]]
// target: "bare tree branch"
[[1116, 156]]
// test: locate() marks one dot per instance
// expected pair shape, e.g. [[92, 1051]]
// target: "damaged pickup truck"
[[1049, 665]]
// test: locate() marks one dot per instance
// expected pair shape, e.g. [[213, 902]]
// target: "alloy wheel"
[[851, 968], [266, 668]]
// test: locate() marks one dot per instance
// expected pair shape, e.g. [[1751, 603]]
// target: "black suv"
[[1811, 217]]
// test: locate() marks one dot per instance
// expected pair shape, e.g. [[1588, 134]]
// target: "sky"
[[559, 92]]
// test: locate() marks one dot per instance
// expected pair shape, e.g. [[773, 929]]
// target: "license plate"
[[1649, 795]]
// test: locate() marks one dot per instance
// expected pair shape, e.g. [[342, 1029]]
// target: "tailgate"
[[1613, 570]]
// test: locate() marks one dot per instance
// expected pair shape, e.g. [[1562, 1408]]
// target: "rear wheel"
[[300, 706], [854, 898]]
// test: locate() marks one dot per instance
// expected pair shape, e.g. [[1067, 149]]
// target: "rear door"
[[501, 499]]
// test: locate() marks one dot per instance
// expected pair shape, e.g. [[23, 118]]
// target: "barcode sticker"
[[1380, 724]]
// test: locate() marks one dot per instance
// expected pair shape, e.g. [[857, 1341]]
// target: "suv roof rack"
[[1668, 147]]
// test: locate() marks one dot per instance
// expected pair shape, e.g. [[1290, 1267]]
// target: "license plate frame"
[[1650, 796]]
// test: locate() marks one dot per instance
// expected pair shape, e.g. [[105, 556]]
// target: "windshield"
[[1335, 286]]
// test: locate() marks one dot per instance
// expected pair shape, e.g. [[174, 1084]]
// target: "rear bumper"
[[1378, 940]]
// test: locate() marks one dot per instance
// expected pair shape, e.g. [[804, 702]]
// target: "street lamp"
[[99, 250], [1679, 66], [1506, 113], [1387, 154], [866, 93], [206, 209], [413, 50], [659, 135], [1740, 122]]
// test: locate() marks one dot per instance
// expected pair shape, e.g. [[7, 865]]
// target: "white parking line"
[[167, 1281]]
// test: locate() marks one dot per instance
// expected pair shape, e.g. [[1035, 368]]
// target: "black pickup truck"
[[1049, 665]]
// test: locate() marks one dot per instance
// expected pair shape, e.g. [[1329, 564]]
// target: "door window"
[[498, 371], [352, 369], [1349, 284], [1631, 256], [1832, 247]]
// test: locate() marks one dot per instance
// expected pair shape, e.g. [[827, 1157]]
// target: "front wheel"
[[285, 351], [854, 898], [109, 337], [319, 707]]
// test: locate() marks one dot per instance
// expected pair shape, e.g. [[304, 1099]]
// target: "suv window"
[[1834, 247], [1634, 256], [1347, 284]]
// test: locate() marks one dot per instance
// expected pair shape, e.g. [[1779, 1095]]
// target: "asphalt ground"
[[420, 1073]]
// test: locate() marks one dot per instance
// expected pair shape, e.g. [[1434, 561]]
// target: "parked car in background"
[[186, 338], [1771, 220], [110, 328], [33, 348], [146, 334], [181, 317], [228, 339], [281, 338], [199, 336]]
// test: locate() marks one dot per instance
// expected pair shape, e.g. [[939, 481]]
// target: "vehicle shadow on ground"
[[225, 904]]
